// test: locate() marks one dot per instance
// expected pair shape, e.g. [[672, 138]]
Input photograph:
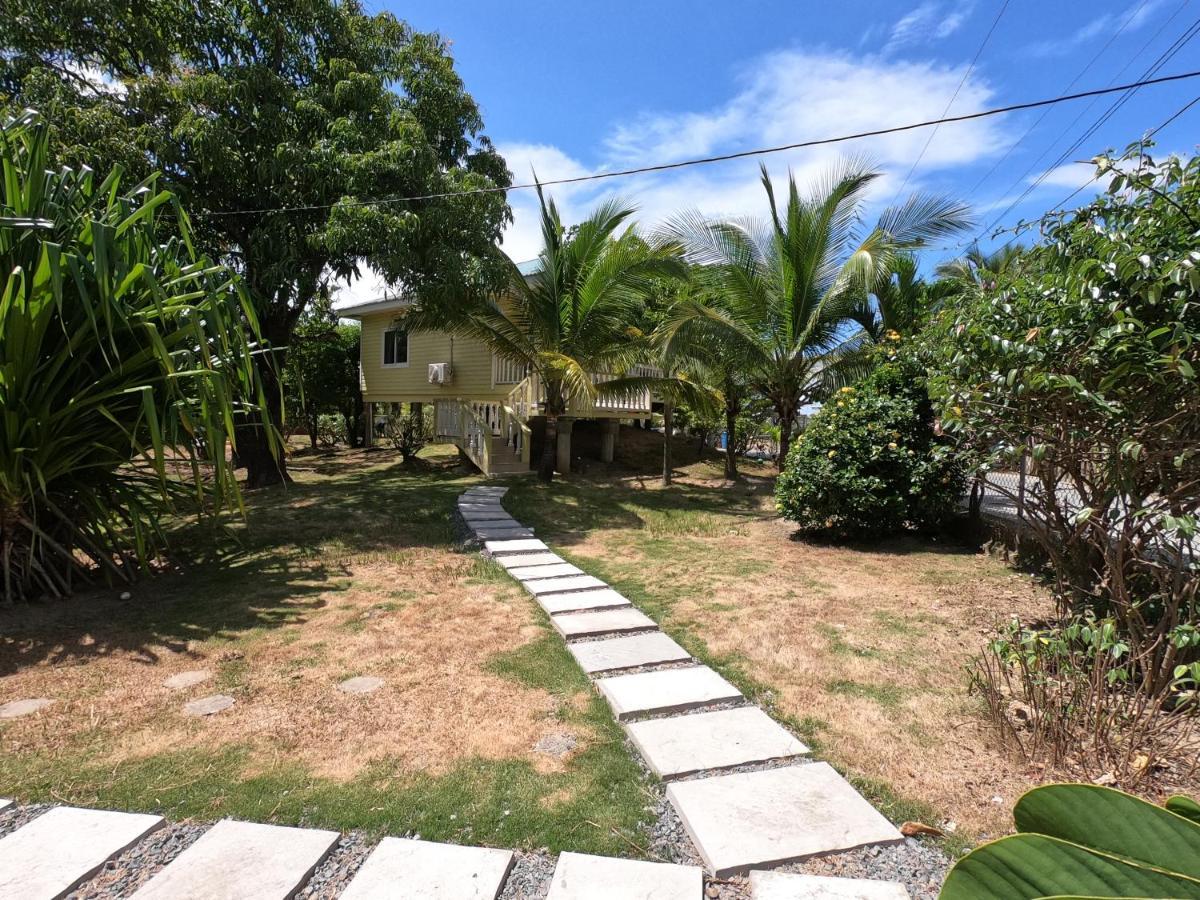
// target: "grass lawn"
[[353, 570], [862, 650]]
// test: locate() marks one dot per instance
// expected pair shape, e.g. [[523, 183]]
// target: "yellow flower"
[[840, 403], [957, 410], [832, 454], [892, 445], [893, 335], [847, 390]]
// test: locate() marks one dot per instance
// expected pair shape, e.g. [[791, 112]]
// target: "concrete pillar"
[[368, 424], [608, 438], [566, 425]]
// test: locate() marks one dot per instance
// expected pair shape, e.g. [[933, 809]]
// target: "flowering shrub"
[[869, 463]]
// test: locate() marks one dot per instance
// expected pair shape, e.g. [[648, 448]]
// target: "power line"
[[662, 167], [1178, 44], [967, 74], [1028, 131]]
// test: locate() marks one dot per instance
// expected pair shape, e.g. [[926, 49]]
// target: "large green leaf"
[[1031, 866], [1184, 806], [1114, 823]]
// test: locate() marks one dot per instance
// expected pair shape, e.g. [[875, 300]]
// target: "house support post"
[[608, 439], [566, 425], [368, 424]]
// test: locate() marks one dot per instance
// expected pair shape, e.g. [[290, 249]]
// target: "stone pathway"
[[739, 781]]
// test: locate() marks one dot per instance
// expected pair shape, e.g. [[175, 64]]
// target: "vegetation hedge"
[[870, 462]]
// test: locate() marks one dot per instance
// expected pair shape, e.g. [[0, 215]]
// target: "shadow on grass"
[[267, 571]]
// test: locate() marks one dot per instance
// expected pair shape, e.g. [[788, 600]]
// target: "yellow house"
[[489, 407]]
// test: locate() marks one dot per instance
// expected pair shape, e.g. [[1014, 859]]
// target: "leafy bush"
[[320, 378], [124, 365], [409, 432], [1081, 840], [869, 463]]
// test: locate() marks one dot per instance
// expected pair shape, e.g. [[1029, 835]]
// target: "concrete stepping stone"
[[537, 586], [749, 820], [531, 573], [491, 520], [712, 740], [481, 507], [517, 545], [579, 876], [242, 861], [207, 706], [61, 848], [786, 886], [492, 490], [520, 560], [604, 598], [671, 690], [627, 652], [603, 621], [423, 870], [187, 679], [5, 804], [502, 532], [14, 709], [360, 684]]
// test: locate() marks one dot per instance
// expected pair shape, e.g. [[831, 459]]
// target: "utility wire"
[[1028, 131], [1178, 44], [662, 167], [967, 74]]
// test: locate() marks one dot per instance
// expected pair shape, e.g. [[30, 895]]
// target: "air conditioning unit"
[[440, 373]]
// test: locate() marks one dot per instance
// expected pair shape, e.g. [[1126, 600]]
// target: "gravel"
[[16, 816], [120, 877], [342, 864], [530, 876], [921, 867]]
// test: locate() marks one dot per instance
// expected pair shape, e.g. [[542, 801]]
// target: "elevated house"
[[490, 407]]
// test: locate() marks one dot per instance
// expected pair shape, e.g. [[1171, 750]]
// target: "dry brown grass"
[[427, 621]]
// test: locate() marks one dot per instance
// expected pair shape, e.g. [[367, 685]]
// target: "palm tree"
[[785, 289], [900, 305], [977, 269], [570, 319]]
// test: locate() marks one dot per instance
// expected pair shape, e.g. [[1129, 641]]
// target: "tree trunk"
[[785, 437], [731, 414], [668, 429], [549, 449], [312, 431], [266, 464]]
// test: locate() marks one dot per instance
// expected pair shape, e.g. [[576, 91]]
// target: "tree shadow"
[[272, 569]]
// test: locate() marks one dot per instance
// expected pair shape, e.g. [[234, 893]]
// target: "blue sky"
[[578, 87]]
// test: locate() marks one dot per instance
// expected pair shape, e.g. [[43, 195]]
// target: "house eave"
[[359, 310]]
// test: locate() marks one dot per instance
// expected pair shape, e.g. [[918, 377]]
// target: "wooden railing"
[[505, 371]]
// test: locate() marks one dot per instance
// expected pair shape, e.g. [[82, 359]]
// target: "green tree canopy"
[[311, 106]]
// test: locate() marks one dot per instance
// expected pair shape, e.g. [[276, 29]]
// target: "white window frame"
[[383, 348]]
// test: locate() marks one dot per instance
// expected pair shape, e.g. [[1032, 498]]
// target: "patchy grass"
[[861, 650], [353, 570]]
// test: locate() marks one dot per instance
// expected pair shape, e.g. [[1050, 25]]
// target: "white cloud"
[[931, 20], [1071, 175], [1101, 25], [783, 98]]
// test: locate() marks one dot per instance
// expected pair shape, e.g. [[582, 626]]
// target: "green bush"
[[870, 463]]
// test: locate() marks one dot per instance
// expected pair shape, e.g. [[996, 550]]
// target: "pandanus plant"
[[125, 361]]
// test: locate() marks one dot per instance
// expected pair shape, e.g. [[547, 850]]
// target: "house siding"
[[471, 361]]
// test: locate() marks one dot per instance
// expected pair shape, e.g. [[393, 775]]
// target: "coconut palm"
[[977, 269], [784, 290], [570, 319]]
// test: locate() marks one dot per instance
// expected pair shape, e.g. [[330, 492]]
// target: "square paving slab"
[[602, 621], [4, 804], [56, 851], [531, 573], [517, 545], [501, 532], [242, 861], [423, 870], [537, 586], [478, 517], [712, 740], [749, 820], [671, 690], [601, 598], [627, 652], [521, 560], [786, 886], [581, 877]]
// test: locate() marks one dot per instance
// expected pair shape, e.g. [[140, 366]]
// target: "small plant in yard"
[[409, 432], [870, 463], [1080, 840]]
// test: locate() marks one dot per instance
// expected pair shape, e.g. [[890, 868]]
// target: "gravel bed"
[[529, 878], [637, 670], [342, 864], [921, 867], [16, 816], [120, 877], [784, 763], [708, 707]]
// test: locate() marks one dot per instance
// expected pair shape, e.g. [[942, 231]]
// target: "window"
[[395, 347]]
